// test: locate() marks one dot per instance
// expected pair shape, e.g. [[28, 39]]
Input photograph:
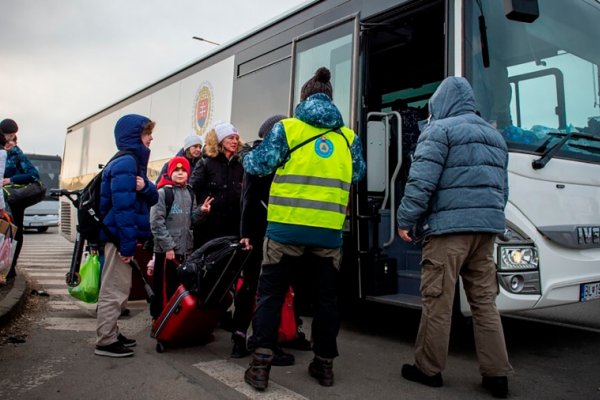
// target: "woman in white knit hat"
[[192, 150], [219, 175]]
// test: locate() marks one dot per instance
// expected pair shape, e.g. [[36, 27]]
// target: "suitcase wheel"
[[160, 347]]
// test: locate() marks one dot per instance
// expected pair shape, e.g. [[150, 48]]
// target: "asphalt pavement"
[[12, 297]]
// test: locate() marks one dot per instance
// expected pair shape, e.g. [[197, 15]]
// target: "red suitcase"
[[185, 321]]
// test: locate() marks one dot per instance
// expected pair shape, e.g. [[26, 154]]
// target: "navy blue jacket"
[[458, 180], [125, 211]]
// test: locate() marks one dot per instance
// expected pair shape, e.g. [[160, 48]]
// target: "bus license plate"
[[590, 291]]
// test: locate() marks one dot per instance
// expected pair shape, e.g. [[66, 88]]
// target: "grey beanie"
[[191, 140], [268, 125]]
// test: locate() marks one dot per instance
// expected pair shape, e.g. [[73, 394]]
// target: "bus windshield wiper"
[[548, 154]]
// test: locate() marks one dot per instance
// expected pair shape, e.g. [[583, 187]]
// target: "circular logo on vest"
[[324, 147], [203, 107]]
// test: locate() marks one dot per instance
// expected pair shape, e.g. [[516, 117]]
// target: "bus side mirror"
[[522, 10]]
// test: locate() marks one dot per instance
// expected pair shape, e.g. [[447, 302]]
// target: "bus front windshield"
[[541, 84]]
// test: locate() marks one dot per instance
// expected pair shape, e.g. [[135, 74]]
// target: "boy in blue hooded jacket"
[[126, 196]]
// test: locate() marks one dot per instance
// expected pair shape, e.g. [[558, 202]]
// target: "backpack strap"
[[111, 237], [169, 198]]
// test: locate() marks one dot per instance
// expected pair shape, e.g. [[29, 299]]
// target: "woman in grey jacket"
[[456, 192]]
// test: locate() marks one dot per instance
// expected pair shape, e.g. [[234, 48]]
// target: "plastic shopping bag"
[[89, 287], [7, 250]]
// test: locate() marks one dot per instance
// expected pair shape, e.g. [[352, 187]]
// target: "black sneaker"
[[497, 386], [412, 373], [126, 342], [115, 349]]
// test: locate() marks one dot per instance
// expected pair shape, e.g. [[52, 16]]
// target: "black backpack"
[[89, 223], [211, 270]]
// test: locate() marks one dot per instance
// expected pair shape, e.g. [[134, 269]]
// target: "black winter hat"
[[8, 126], [319, 83], [268, 125]]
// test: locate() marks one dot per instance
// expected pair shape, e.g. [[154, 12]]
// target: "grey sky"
[[63, 60]]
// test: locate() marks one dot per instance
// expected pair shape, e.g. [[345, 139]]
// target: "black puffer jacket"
[[220, 178]]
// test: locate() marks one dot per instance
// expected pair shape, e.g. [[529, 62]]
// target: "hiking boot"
[[497, 386], [322, 369], [412, 373], [281, 358], [239, 349], [257, 375], [126, 342], [115, 349]]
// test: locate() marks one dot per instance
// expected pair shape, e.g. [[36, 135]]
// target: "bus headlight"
[[517, 258]]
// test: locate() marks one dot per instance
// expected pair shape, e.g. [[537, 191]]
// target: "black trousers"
[[245, 297], [274, 282], [18, 215]]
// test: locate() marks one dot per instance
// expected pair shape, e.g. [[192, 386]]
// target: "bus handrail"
[[390, 184]]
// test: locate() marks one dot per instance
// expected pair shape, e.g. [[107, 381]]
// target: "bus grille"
[[65, 218]]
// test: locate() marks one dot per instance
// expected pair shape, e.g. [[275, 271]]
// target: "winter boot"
[[322, 369], [257, 375]]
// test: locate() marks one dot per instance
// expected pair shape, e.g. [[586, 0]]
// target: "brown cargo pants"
[[444, 258]]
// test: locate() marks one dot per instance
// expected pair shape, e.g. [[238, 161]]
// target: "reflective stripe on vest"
[[313, 187]]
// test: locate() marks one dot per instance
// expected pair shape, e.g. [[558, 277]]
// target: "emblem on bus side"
[[588, 234], [203, 108]]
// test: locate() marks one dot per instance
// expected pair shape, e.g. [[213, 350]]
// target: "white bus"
[[533, 66]]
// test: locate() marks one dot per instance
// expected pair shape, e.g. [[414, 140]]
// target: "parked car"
[[44, 215]]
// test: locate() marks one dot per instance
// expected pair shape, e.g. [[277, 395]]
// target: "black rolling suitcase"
[[210, 272]]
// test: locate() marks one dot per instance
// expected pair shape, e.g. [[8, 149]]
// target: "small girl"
[[171, 227]]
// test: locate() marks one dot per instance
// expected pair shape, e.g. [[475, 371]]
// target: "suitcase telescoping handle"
[[147, 288]]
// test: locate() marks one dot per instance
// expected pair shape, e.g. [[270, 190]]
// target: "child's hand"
[[170, 255], [205, 207], [150, 265]]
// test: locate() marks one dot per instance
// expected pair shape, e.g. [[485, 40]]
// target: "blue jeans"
[[274, 281]]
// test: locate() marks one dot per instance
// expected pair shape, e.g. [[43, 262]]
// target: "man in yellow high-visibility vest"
[[315, 159]]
